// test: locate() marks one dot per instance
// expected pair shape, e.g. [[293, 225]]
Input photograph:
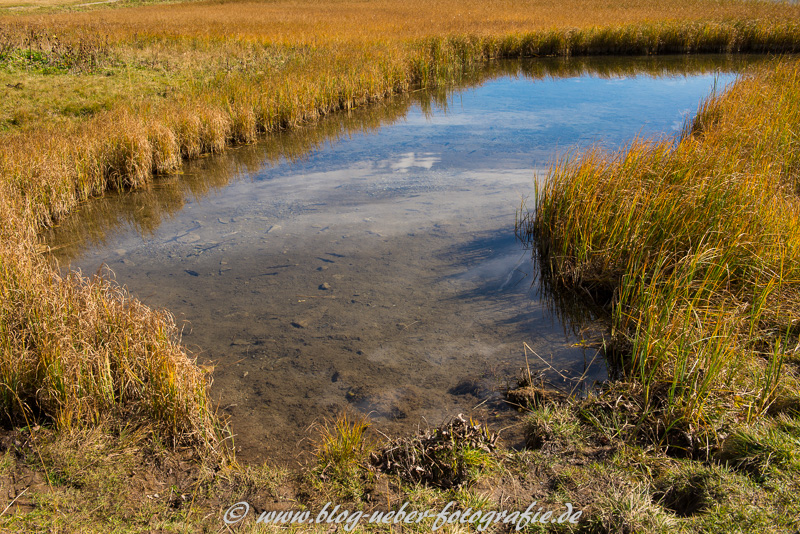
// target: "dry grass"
[[83, 352], [303, 22], [125, 140], [21, 5], [26, 7]]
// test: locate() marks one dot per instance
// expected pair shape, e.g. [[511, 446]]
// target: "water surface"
[[368, 262]]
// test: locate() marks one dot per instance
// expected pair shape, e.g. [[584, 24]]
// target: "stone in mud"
[[299, 323], [325, 286]]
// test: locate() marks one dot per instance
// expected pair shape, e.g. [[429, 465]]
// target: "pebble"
[[325, 286]]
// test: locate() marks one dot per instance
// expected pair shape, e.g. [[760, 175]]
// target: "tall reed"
[[695, 250], [80, 351]]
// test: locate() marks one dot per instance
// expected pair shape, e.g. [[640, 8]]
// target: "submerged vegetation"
[[691, 249]]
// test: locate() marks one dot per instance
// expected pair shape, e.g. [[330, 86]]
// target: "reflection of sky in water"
[[410, 229], [515, 123], [406, 161]]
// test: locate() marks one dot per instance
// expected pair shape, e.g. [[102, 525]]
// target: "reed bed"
[[694, 251], [79, 352], [59, 165]]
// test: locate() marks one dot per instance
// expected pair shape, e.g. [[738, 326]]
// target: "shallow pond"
[[369, 261]]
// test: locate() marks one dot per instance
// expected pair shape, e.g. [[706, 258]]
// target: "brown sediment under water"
[[368, 261]]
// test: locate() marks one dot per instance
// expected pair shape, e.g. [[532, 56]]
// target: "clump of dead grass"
[[448, 456]]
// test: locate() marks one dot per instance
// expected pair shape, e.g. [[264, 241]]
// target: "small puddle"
[[369, 261]]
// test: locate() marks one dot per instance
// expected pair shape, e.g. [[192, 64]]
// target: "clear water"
[[369, 262]]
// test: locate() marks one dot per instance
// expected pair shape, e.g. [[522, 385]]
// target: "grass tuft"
[[342, 451]]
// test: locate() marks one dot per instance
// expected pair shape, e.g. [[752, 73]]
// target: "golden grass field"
[[17, 5], [309, 22], [700, 267]]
